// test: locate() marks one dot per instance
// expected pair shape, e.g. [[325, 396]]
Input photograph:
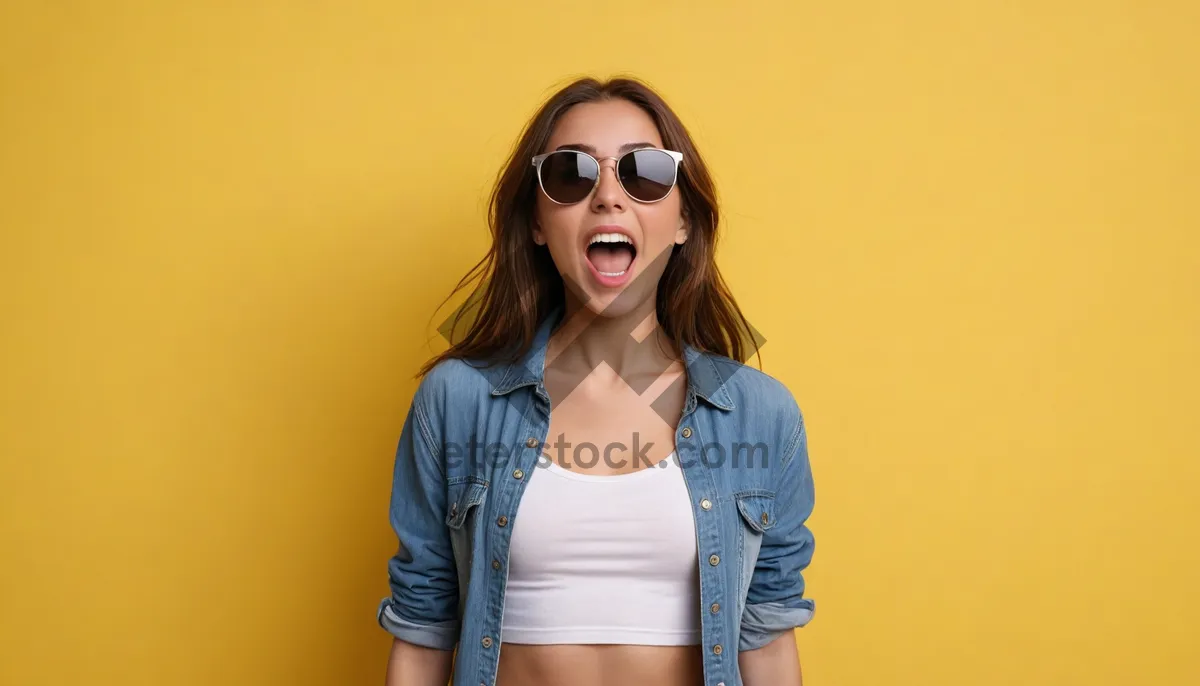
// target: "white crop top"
[[603, 559]]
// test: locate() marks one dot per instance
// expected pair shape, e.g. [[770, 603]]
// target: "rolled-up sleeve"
[[423, 605], [775, 601]]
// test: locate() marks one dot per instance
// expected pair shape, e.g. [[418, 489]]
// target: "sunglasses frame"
[[673, 154]]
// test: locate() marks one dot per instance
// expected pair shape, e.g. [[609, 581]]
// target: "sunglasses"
[[646, 175]]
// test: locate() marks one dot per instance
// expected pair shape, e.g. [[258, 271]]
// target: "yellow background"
[[968, 231]]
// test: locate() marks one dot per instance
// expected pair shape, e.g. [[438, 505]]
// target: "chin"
[[611, 305]]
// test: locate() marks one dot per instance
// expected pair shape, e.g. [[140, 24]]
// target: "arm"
[[775, 602], [775, 663], [413, 665], [422, 611]]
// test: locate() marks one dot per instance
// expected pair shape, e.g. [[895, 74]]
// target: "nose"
[[609, 194]]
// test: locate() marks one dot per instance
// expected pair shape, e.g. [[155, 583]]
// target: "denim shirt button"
[[717, 649], [687, 432], [502, 521], [495, 564], [715, 607], [518, 474], [714, 559], [487, 641], [531, 442], [706, 504]]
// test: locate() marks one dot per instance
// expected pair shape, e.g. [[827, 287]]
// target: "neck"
[[628, 342]]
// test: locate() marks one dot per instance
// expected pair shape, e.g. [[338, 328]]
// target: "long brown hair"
[[519, 284]]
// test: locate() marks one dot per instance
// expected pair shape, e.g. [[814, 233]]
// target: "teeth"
[[610, 238], [612, 273]]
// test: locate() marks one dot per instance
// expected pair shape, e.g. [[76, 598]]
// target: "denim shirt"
[[473, 439]]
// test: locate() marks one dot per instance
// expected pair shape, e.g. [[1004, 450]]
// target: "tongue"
[[611, 259]]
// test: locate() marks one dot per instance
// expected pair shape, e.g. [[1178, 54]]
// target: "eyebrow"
[[592, 151]]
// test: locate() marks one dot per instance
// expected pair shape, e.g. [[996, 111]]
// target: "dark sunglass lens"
[[647, 175], [568, 176]]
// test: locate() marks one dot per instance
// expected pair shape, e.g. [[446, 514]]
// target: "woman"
[[589, 478]]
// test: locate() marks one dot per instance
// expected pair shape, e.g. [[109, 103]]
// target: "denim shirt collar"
[[703, 377]]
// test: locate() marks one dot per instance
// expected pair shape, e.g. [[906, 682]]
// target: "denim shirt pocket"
[[756, 510], [464, 495]]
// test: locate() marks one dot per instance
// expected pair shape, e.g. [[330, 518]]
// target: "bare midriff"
[[599, 665]]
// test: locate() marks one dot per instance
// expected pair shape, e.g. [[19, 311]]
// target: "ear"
[[681, 231], [538, 237]]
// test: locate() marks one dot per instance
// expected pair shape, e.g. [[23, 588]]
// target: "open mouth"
[[611, 253]]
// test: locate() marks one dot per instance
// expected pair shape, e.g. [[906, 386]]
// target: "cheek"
[[659, 222], [559, 223]]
